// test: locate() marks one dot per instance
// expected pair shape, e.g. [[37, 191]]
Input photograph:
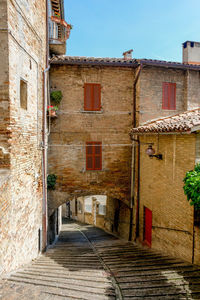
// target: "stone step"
[[65, 293], [36, 280], [86, 280], [86, 272]]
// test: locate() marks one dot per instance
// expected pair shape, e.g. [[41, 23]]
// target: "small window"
[[93, 156], [23, 94], [88, 205], [92, 97], [102, 209], [169, 96]]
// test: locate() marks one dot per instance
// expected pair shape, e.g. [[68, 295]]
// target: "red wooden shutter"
[[169, 96], [93, 156], [92, 97]]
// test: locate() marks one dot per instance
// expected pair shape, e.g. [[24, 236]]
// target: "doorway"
[[147, 226]]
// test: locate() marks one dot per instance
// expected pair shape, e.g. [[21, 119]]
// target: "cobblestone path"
[[87, 263]]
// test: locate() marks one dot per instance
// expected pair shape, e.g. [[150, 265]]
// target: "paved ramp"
[[87, 263]]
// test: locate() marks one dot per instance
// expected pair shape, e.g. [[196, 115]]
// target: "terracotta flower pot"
[[52, 113]]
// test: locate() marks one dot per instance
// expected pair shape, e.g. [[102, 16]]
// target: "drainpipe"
[[44, 140], [133, 158]]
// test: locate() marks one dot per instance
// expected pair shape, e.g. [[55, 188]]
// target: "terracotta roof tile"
[[62, 59], [82, 60], [183, 122]]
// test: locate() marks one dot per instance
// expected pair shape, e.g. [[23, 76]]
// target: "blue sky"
[[152, 28]]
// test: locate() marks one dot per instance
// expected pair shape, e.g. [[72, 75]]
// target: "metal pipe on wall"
[[133, 158]]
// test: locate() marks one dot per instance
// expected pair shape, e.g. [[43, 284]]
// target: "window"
[[93, 156], [88, 205], [102, 209], [92, 97], [23, 94], [169, 96]]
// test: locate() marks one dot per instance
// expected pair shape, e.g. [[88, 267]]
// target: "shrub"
[[192, 186], [56, 97], [51, 181]]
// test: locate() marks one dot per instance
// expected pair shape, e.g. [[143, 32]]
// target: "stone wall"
[[25, 52], [161, 190]]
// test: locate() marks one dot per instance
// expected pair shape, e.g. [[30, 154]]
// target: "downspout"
[[44, 140], [133, 158]]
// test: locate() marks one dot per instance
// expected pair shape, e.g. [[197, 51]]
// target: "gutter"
[[44, 141], [133, 158]]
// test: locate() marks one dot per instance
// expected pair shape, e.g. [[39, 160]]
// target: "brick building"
[[89, 144], [164, 217], [23, 59], [23, 97], [102, 99]]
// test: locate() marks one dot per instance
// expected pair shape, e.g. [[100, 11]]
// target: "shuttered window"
[[92, 97], [93, 156], [169, 96]]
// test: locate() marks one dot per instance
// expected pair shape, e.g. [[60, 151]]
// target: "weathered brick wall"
[[161, 190], [193, 89], [26, 56], [149, 92], [74, 127]]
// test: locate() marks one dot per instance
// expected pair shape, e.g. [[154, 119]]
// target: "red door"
[[147, 226]]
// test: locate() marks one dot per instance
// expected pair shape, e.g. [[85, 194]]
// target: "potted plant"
[[51, 181], [56, 97], [52, 110]]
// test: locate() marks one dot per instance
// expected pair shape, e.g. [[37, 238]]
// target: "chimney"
[[128, 54], [191, 53]]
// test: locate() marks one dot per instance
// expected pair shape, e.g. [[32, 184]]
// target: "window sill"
[[166, 109], [92, 111]]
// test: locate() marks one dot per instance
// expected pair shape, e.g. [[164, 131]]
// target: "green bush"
[[192, 186], [56, 97], [51, 181]]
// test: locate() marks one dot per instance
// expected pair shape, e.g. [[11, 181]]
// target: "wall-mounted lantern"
[[151, 152]]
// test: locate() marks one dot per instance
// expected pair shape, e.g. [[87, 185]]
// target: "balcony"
[[59, 32]]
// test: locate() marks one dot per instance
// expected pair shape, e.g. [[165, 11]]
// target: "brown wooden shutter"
[[93, 156], [165, 95], [87, 96], [172, 96], [98, 156], [169, 96], [96, 97], [89, 156], [92, 97]]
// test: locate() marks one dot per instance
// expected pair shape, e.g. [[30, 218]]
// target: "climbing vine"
[[192, 186]]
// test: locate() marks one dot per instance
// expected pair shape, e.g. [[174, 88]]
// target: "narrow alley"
[[88, 263]]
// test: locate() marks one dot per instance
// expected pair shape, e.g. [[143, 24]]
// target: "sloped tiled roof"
[[183, 122], [62, 59], [107, 61]]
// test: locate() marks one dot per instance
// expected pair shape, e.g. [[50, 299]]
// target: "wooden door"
[[147, 226]]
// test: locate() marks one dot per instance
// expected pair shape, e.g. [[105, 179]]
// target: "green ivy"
[[51, 181], [56, 97], [192, 186]]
